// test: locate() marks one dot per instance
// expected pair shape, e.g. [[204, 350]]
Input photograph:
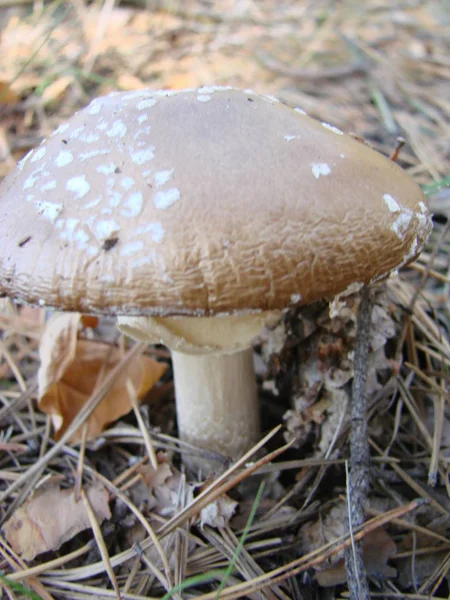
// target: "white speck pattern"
[[22, 162], [95, 107], [114, 197], [105, 229], [140, 157], [61, 129], [423, 207], [34, 176], [79, 186], [296, 298], [210, 89], [289, 138], [203, 97], [162, 177], [39, 153], [391, 203], [143, 131], [155, 229], [118, 129], [91, 204], [270, 98], [107, 169], [89, 138], [401, 224], [332, 128], [147, 103], [76, 133], [132, 248], [127, 183], [88, 155], [81, 238], [164, 199], [132, 205], [64, 158], [300, 111], [320, 169], [142, 119], [50, 185], [48, 210]]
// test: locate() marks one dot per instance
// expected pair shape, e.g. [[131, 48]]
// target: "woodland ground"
[[379, 69]]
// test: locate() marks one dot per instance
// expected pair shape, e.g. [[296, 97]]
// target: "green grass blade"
[[241, 543], [221, 574], [19, 588]]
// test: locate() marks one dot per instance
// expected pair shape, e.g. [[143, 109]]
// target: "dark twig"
[[358, 481]]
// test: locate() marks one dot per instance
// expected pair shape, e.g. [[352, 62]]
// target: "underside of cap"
[[201, 202], [191, 335]]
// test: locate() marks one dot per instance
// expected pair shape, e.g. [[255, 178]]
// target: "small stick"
[[399, 143], [359, 476]]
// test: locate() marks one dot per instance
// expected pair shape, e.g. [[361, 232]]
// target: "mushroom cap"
[[201, 202]]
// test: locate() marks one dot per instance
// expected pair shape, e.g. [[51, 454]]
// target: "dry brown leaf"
[[71, 369], [7, 96], [378, 548], [51, 518]]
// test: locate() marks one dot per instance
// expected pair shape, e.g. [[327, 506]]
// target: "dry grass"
[[378, 69]]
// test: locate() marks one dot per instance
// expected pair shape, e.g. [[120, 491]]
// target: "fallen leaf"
[[7, 96], [164, 492], [378, 548], [51, 518], [71, 369], [219, 512]]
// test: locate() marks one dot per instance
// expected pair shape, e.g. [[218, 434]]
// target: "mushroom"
[[196, 217]]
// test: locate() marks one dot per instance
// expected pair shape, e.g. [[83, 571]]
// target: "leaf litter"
[[52, 517], [70, 369], [374, 69]]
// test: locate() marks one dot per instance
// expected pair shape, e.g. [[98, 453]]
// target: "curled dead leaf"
[[7, 95], [378, 548], [71, 369], [51, 518], [218, 513], [164, 492]]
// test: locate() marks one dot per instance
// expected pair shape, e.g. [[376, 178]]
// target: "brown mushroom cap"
[[201, 202]]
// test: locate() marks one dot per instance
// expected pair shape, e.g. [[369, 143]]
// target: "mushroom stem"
[[217, 402]]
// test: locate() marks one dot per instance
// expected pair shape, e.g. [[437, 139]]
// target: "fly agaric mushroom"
[[195, 217]]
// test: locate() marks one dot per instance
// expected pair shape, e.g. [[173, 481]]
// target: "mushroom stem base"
[[217, 403]]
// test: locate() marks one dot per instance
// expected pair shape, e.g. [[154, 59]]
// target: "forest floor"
[[111, 514]]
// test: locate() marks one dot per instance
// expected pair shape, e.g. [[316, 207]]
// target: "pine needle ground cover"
[[95, 502]]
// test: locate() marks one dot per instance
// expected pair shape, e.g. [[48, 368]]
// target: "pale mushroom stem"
[[217, 402]]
